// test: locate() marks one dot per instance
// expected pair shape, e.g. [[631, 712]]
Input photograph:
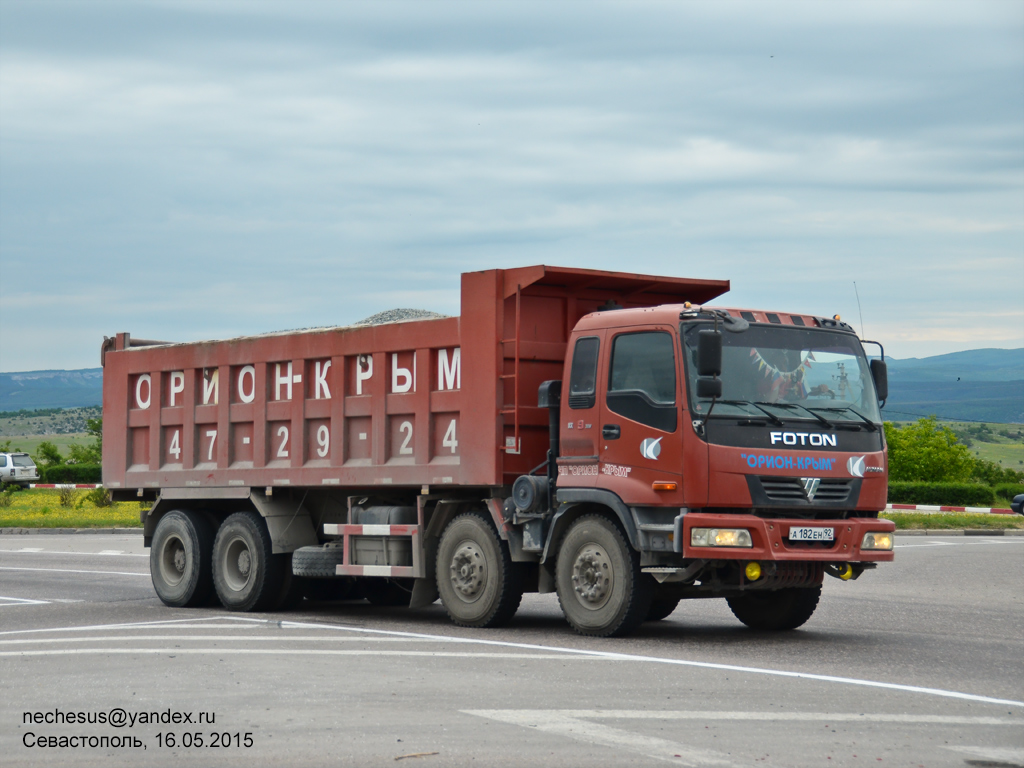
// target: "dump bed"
[[449, 401]]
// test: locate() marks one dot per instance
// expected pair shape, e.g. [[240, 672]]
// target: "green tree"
[[92, 453], [48, 455], [925, 451]]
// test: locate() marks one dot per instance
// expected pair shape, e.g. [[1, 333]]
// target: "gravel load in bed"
[[399, 316]]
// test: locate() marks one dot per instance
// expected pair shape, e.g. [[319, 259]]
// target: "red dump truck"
[[603, 435]]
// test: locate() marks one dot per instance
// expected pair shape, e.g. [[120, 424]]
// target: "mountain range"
[[975, 385]]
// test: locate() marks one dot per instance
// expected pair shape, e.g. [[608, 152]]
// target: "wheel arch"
[[289, 523], [576, 502]]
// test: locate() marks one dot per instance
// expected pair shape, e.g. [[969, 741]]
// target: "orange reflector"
[[663, 486]]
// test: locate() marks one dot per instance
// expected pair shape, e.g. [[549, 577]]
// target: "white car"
[[18, 468]]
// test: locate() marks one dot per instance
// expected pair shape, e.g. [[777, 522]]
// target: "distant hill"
[[971, 365], [51, 389], [978, 384], [974, 385]]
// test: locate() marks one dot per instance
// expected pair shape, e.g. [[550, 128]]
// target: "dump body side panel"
[[445, 402]]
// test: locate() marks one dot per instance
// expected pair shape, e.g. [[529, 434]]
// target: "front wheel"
[[179, 559], [246, 574], [776, 610], [478, 583], [600, 587]]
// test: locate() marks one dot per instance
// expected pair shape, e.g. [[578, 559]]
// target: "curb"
[[66, 485], [931, 508]]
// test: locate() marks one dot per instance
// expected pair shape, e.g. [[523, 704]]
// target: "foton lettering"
[[817, 439]]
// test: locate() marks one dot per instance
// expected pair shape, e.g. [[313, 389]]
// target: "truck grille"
[[791, 489]]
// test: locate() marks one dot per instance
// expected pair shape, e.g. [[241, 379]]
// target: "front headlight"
[[720, 537], [877, 541]]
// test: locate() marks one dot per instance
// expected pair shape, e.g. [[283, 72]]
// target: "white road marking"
[[1008, 756], [930, 544], [68, 570], [759, 715], [169, 623], [105, 553], [553, 721], [205, 638], [683, 663], [299, 652], [551, 649], [574, 725], [20, 601]]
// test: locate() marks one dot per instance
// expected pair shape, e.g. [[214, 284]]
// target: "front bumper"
[[770, 539]]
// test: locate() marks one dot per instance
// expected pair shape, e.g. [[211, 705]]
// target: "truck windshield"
[[790, 372]]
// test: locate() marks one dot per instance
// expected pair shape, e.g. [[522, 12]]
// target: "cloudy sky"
[[186, 170]]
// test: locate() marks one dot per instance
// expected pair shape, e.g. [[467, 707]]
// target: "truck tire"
[[246, 574], [180, 559], [600, 587], [478, 583], [316, 562], [776, 610], [661, 609]]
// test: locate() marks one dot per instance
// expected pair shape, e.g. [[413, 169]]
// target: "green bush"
[[926, 451], [942, 494], [1008, 490], [71, 473]]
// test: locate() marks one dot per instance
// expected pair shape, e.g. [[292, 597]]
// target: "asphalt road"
[[920, 663]]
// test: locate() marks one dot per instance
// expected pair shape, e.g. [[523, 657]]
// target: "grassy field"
[[39, 508], [906, 521], [30, 443]]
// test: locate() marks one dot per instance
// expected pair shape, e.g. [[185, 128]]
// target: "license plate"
[[812, 534]]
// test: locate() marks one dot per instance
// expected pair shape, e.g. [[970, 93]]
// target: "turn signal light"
[[720, 537], [877, 541], [659, 485]]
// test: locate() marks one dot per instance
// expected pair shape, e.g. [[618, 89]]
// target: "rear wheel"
[[478, 583], [776, 610], [600, 587], [246, 574], [180, 559]]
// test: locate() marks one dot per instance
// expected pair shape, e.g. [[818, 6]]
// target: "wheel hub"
[[179, 560], [468, 570], [244, 562], [592, 576]]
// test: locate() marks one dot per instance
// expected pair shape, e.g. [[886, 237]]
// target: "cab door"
[[640, 446], [580, 429]]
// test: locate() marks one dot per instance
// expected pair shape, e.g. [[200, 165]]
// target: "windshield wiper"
[[771, 416], [871, 425], [819, 417]]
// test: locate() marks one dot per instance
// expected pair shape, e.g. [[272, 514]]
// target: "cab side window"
[[3, 460], [642, 379], [583, 376]]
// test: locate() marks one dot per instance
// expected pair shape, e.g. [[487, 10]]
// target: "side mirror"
[[709, 353], [709, 388], [880, 374]]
